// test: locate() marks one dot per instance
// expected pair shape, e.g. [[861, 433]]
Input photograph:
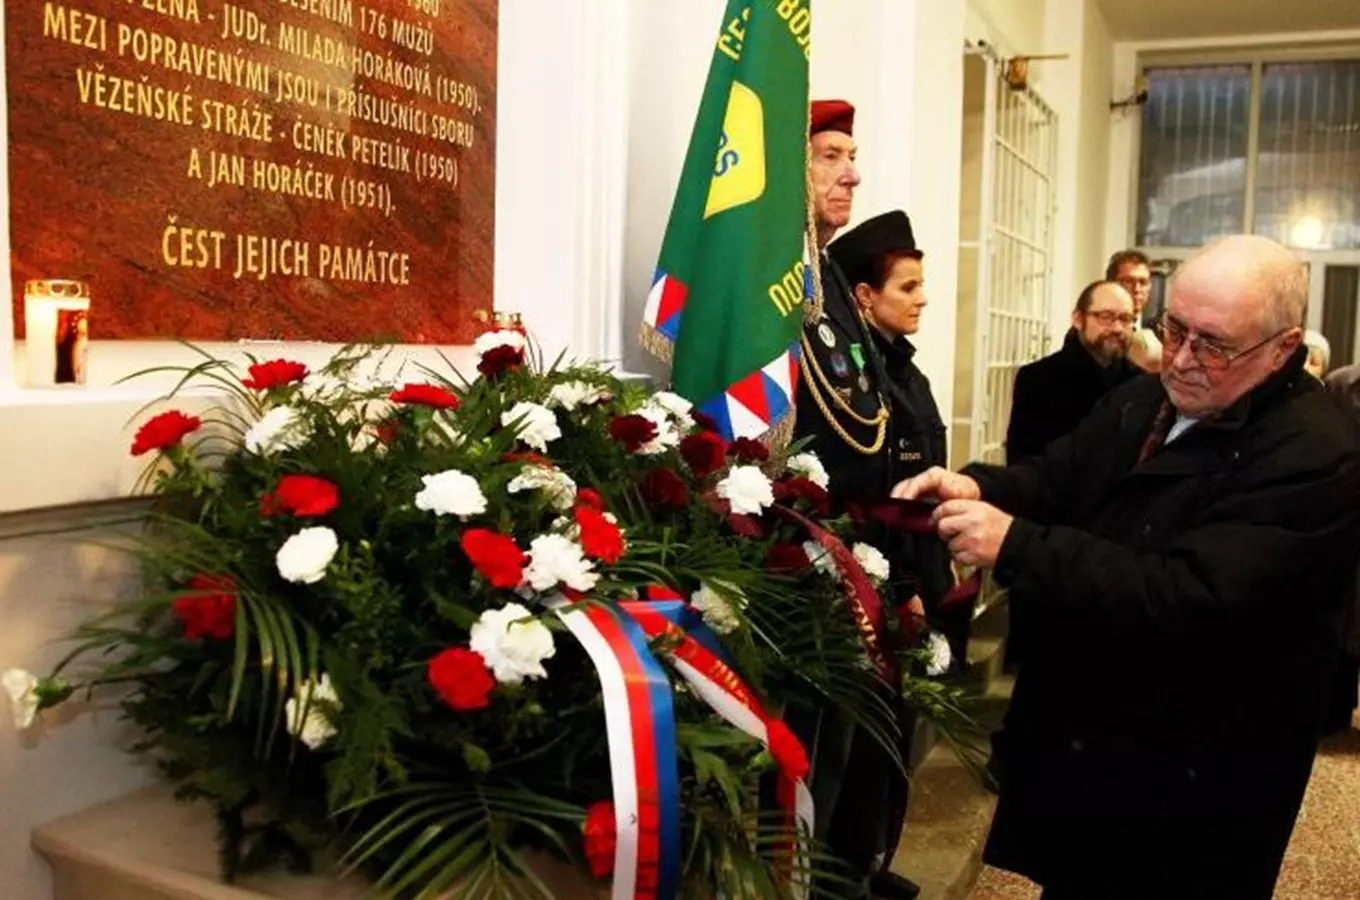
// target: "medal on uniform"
[[863, 382], [826, 334], [840, 365], [857, 352]]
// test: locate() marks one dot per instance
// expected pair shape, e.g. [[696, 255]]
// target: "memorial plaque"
[[274, 169]]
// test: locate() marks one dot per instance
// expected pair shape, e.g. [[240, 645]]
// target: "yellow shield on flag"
[[739, 169]]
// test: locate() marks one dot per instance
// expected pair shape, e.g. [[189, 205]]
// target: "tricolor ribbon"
[[640, 729]]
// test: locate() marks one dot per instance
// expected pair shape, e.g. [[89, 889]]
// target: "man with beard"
[[1052, 395]]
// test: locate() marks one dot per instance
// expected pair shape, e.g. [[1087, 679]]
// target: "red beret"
[[831, 115]]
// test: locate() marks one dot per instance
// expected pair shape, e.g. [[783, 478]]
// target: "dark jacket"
[[917, 442], [1162, 729], [838, 350], [1344, 387], [1053, 394]]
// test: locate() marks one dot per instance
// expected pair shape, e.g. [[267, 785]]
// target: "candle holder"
[[56, 331]]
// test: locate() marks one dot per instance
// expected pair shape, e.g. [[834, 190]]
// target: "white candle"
[[55, 331]]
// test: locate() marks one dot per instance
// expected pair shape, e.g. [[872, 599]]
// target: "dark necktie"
[[1161, 426]]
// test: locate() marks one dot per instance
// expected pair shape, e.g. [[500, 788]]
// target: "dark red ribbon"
[[914, 517]]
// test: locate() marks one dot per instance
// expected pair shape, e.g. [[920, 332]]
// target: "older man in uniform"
[[1183, 554], [844, 411]]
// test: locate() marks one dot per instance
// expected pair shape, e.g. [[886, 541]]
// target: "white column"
[[562, 121]]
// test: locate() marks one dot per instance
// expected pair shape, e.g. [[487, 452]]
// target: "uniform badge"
[[864, 382], [826, 334], [840, 365]]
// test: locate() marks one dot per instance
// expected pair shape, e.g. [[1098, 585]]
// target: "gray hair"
[[1315, 341], [1286, 286], [1278, 277]]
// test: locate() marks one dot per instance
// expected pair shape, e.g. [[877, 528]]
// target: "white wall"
[[1081, 99], [1122, 191], [47, 586], [1013, 26]]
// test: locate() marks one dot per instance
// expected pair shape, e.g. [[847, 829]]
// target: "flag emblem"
[[739, 170]]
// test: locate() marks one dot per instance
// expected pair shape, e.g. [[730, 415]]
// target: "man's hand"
[[936, 483], [972, 529]]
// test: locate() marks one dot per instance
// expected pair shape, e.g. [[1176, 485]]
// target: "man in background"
[[1055, 393], [1344, 387], [1133, 271]]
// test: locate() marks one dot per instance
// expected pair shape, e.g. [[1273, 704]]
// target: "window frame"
[[1257, 58]]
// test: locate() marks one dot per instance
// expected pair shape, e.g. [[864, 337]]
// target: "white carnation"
[[573, 394], [561, 490], [304, 557], [875, 563], [676, 406], [22, 688], [513, 643], [537, 424], [810, 467], [282, 428], [940, 654], [308, 712], [747, 489], [718, 607], [556, 559], [666, 434], [490, 340], [451, 493], [821, 559]]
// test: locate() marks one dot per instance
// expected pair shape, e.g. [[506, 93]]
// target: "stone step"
[[947, 819], [147, 846]]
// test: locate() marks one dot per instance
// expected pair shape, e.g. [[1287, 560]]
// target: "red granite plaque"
[[286, 169]]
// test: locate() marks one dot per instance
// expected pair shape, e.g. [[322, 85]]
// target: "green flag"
[[726, 300]]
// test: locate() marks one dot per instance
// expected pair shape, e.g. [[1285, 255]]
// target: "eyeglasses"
[[1109, 317], [1208, 353]]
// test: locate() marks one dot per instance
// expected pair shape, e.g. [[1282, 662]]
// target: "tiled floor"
[[1323, 862]]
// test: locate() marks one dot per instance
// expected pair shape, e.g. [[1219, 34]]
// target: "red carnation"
[[164, 431], [591, 498], [787, 750], [460, 678], [746, 526], [747, 450], [705, 421], [496, 556], [426, 395], [664, 488], [705, 452], [536, 459], [387, 430], [785, 557], [800, 488], [600, 538], [275, 373], [301, 495], [211, 610], [500, 359], [632, 431], [601, 838]]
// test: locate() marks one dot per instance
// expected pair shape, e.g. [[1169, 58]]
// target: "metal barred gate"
[[1014, 253]]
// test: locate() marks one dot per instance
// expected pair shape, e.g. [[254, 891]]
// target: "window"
[[1264, 146], [1193, 174]]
